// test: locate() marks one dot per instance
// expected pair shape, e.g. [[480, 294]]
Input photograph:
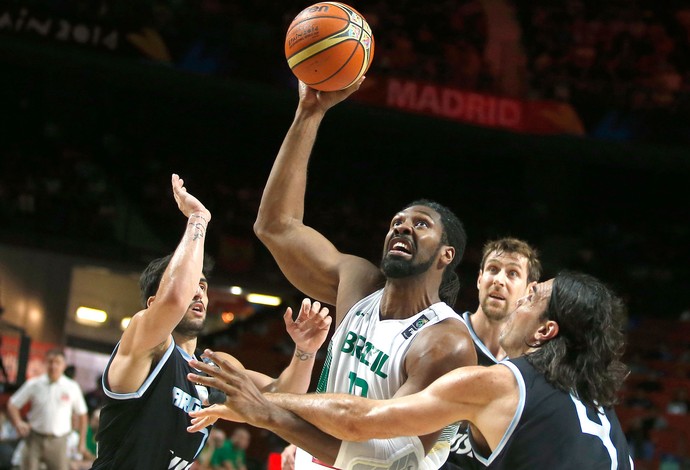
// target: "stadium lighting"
[[91, 315], [264, 299]]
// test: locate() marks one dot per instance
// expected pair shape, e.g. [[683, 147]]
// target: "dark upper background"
[[90, 135]]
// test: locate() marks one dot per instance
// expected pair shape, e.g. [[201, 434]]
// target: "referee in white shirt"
[[54, 399]]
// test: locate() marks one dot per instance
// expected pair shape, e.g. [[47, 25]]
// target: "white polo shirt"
[[52, 404]]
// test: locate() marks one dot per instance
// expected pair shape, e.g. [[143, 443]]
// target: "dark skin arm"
[[434, 352]]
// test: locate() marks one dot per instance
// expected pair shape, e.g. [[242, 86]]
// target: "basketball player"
[[143, 424], [548, 406], [508, 270], [396, 332]]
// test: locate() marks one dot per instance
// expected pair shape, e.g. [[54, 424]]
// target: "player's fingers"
[[306, 307], [225, 366], [207, 368], [208, 381], [315, 307], [200, 422], [287, 316]]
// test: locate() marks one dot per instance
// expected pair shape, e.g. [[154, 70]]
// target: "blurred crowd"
[[624, 57], [623, 64]]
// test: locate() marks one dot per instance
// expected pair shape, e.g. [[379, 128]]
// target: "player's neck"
[[404, 299], [488, 331], [187, 344]]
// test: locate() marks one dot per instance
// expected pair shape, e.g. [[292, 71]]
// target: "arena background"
[[590, 160]]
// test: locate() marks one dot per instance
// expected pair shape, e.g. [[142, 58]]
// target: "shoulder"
[[359, 278], [449, 340], [35, 382], [28, 388], [439, 349]]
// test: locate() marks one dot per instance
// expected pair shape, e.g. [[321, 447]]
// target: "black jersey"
[[553, 429], [147, 429], [461, 455]]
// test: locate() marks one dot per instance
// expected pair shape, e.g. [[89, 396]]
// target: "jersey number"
[[602, 431], [358, 386]]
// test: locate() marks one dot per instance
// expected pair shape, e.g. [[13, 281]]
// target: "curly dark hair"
[[585, 357], [455, 236]]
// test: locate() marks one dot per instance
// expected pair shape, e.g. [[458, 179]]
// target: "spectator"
[[54, 399], [216, 454], [240, 440], [679, 403]]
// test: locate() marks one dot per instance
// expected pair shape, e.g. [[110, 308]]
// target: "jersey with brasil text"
[[461, 455], [553, 429], [147, 429], [366, 357]]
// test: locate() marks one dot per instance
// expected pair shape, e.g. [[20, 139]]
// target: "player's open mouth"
[[400, 246], [198, 307]]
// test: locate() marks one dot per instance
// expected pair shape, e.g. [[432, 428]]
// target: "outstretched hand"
[[244, 402], [310, 329], [311, 99], [187, 203]]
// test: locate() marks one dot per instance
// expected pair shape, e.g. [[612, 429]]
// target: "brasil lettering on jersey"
[[358, 346]]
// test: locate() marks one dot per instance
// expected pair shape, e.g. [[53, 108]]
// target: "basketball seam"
[[334, 39], [361, 69], [342, 67]]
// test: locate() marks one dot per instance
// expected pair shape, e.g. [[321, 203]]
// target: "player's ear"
[[479, 277], [150, 300], [547, 331], [447, 255]]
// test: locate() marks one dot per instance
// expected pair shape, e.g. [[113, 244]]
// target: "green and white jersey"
[[366, 357]]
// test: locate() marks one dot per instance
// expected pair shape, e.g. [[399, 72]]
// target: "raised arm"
[[308, 332], [149, 332], [309, 261]]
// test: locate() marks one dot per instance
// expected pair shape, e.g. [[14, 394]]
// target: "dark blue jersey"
[[147, 429], [553, 429]]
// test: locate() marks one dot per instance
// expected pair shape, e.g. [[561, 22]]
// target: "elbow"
[[268, 229], [261, 228]]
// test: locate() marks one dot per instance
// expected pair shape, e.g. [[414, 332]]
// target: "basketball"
[[329, 46]]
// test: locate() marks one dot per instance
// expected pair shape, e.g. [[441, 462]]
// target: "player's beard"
[[190, 327], [397, 268], [494, 314]]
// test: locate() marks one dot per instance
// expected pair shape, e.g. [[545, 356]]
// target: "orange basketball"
[[329, 46]]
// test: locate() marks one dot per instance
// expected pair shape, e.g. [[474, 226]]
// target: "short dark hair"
[[455, 236], [151, 277], [55, 352], [520, 247], [585, 356]]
